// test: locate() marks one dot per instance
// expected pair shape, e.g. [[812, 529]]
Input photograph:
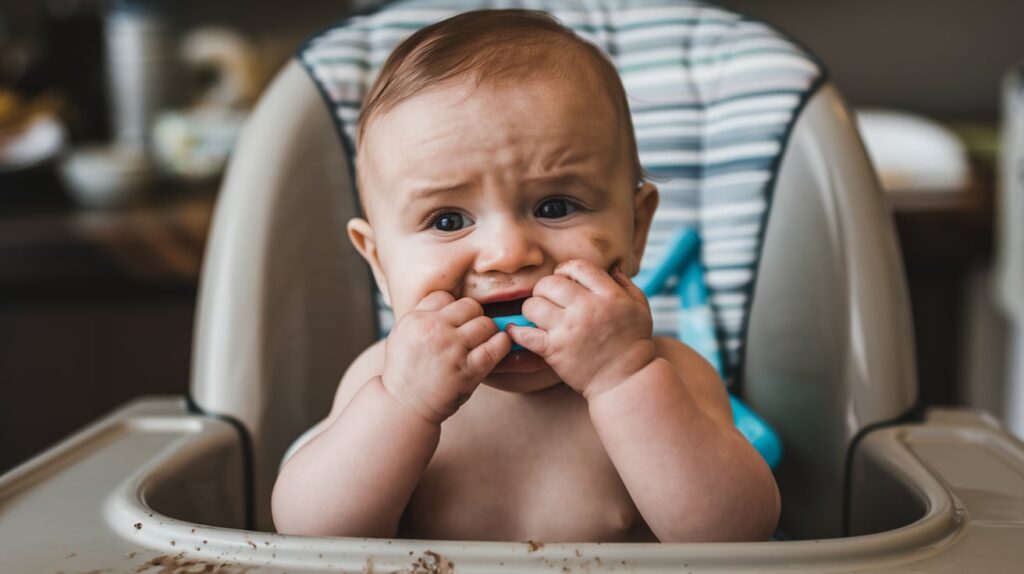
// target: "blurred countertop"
[[50, 247]]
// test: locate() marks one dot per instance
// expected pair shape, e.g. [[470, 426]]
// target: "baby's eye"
[[555, 209], [450, 221]]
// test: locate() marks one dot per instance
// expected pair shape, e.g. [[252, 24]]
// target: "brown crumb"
[[432, 563], [253, 544], [138, 526], [534, 546], [180, 565]]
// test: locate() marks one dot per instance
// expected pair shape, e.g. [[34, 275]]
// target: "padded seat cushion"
[[713, 96]]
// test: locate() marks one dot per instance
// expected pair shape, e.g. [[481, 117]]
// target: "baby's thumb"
[[488, 354], [530, 338]]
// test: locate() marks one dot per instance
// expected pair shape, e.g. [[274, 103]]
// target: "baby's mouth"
[[504, 308]]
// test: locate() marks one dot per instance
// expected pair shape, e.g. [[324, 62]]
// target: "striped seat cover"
[[713, 96]]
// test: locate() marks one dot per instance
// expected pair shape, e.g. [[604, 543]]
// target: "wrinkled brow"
[[421, 194], [564, 180], [429, 191]]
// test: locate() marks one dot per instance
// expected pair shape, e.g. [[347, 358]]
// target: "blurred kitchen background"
[[116, 118]]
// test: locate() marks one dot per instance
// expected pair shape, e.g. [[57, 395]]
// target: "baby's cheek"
[[417, 281], [598, 247], [406, 292], [601, 243]]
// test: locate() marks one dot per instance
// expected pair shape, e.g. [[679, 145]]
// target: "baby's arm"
[[659, 408], [668, 430], [356, 476]]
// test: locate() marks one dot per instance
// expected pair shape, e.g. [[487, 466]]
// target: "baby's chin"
[[522, 372]]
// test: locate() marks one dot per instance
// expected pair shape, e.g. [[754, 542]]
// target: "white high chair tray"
[[152, 488]]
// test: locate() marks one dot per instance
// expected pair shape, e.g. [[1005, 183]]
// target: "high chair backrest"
[[747, 143]]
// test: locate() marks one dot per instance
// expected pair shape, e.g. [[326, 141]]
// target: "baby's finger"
[[586, 274], [558, 289], [632, 290], [435, 301], [530, 338], [462, 310], [475, 331], [482, 359], [541, 312]]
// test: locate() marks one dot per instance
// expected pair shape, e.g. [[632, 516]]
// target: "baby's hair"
[[492, 46]]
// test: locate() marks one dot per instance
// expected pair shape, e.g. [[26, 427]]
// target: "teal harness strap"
[[696, 329]]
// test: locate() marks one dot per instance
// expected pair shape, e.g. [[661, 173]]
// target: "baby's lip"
[[505, 304]]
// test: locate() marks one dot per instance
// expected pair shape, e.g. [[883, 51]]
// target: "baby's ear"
[[645, 201], [361, 234]]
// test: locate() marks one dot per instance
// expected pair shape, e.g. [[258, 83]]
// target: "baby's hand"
[[438, 353], [593, 329]]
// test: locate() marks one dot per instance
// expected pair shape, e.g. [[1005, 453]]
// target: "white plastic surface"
[[86, 506]]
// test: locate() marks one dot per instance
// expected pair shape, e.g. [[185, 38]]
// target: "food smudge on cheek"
[[601, 243]]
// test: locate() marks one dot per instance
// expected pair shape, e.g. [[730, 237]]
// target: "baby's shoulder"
[[369, 364], [681, 355], [699, 376]]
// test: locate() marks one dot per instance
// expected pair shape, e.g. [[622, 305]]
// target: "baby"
[[499, 174]]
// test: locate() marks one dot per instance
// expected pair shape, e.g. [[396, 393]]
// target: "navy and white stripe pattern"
[[712, 93]]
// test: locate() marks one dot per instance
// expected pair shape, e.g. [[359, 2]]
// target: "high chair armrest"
[[977, 461], [64, 510]]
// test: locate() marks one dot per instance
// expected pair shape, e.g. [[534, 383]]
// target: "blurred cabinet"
[[945, 236], [96, 308]]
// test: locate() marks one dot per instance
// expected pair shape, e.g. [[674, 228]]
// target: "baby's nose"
[[508, 248]]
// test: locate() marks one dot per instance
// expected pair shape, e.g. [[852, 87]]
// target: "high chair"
[[750, 143]]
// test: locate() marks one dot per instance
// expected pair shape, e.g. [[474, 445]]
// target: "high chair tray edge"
[[153, 487]]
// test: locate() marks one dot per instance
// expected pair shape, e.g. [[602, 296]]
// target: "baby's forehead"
[[546, 118], [567, 63], [592, 100]]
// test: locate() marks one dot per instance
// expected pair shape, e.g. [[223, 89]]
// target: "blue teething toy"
[[517, 320]]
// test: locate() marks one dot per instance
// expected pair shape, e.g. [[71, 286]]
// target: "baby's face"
[[483, 192]]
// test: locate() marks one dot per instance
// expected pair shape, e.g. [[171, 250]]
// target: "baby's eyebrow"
[[428, 191], [565, 180]]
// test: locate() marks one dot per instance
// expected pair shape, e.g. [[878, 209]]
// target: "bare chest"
[[530, 469]]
